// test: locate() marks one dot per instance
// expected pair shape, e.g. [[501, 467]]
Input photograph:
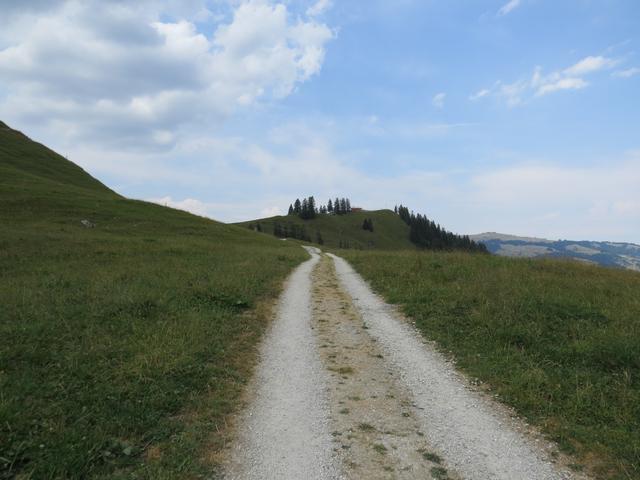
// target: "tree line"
[[308, 209], [425, 233]]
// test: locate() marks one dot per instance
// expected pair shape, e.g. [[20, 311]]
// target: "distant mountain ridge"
[[609, 254]]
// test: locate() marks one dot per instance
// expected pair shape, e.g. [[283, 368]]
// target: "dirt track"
[[346, 388]]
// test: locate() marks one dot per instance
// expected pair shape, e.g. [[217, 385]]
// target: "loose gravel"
[[284, 433], [473, 434]]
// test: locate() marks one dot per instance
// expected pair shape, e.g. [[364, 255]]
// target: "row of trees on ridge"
[[426, 233], [307, 208]]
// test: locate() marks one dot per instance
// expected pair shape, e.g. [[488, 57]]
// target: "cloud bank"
[[131, 75]]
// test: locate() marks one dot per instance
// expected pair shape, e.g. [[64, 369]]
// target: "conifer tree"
[[297, 207], [290, 210], [312, 208], [330, 206], [426, 233]]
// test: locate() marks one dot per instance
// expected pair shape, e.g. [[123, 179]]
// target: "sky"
[[515, 116]]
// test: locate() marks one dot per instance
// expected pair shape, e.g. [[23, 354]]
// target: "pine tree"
[[312, 208], [304, 209], [347, 206], [330, 206], [297, 207], [426, 233], [290, 210], [336, 206]]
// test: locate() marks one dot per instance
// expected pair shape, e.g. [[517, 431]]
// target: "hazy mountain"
[[610, 254]]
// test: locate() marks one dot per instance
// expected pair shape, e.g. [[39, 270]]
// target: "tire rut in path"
[[284, 432]]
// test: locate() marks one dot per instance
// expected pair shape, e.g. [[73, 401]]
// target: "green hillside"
[[125, 342], [30, 163], [389, 231]]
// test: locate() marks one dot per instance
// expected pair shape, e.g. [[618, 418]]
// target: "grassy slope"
[[390, 232], [125, 345], [558, 340]]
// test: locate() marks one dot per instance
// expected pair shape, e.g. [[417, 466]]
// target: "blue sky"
[[514, 116]]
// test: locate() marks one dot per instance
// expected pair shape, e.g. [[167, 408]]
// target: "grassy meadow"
[[558, 340], [124, 345]]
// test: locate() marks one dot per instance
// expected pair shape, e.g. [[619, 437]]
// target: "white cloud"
[[562, 84], [122, 74], [589, 65], [539, 84], [628, 73], [319, 8], [509, 7], [570, 78], [438, 100], [479, 94]]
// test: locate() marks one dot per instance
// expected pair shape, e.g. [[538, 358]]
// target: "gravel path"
[[284, 434], [347, 389], [473, 434]]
